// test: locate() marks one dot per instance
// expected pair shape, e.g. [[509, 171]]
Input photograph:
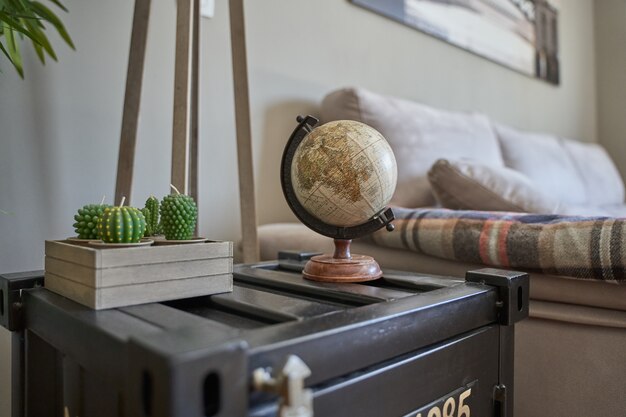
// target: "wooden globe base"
[[342, 266]]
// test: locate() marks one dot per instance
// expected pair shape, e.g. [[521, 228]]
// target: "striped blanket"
[[581, 247]]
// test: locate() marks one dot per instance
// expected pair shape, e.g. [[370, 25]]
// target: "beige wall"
[[60, 127], [610, 42], [296, 61]]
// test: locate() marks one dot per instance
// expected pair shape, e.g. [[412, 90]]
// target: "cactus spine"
[[121, 225]]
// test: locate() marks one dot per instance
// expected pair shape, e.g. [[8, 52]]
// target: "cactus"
[[151, 213], [147, 214], [87, 220], [121, 225], [178, 216]]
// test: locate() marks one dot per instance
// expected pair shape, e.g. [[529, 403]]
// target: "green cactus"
[[87, 221], [146, 213], [152, 218], [122, 225], [178, 216]]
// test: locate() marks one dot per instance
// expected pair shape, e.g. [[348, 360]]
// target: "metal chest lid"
[[336, 329]]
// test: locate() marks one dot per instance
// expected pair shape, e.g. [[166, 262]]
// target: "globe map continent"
[[344, 173]]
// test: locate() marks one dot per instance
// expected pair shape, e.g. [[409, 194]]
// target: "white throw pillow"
[[602, 181], [544, 160], [469, 185], [418, 135]]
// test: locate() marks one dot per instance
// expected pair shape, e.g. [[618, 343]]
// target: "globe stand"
[[342, 266]]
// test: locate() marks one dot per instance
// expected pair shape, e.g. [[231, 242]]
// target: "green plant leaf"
[[40, 37], [48, 15], [24, 16], [12, 24], [19, 4], [13, 49], [59, 5], [21, 19], [2, 48], [40, 52]]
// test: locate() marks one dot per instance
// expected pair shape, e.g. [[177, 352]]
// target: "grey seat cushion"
[[546, 287]]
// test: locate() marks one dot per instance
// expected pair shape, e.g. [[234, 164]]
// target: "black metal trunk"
[[404, 345]]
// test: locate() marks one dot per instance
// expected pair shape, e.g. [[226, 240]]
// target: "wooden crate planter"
[[108, 278]]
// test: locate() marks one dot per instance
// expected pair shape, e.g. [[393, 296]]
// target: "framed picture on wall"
[[519, 34]]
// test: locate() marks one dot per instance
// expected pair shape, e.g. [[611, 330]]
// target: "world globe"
[[337, 179], [344, 173]]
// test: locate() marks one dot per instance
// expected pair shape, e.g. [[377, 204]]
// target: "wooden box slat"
[[80, 255], [136, 274], [126, 295], [108, 278], [109, 258]]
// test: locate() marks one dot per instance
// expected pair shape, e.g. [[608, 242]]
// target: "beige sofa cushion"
[[418, 135], [601, 179], [543, 159], [468, 185]]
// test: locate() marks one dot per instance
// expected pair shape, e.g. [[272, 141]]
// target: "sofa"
[[458, 167]]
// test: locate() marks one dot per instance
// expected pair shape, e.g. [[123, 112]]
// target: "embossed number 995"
[[450, 406]]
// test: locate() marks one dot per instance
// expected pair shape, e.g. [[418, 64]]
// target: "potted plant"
[[20, 19]]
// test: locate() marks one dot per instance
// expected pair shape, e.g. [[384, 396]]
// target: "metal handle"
[[295, 400]]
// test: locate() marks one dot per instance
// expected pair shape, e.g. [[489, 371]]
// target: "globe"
[[344, 173]]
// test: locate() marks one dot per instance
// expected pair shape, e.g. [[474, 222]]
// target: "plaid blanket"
[[581, 247]]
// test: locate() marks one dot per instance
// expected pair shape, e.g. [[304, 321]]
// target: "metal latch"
[[499, 400], [295, 401], [513, 292], [11, 287]]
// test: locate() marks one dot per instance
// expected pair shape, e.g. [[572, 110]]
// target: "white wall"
[[59, 129], [610, 35]]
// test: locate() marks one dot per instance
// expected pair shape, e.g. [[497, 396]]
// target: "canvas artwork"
[[520, 34]]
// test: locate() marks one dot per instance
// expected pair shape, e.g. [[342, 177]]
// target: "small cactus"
[[122, 225], [146, 213], [87, 220], [151, 213], [178, 216]]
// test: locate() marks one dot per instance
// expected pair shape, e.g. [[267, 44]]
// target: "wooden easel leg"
[[244, 141], [182, 95], [132, 98], [195, 85]]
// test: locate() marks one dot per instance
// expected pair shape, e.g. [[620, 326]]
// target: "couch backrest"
[[603, 182], [576, 173], [418, 134]]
